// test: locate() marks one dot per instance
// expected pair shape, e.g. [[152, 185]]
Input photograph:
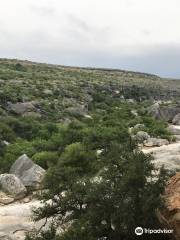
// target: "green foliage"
[[6, 133], [13, 151], [99, 183], [109, 203], [45, 159]]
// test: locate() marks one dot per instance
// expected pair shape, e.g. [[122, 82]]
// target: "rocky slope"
[[38, 100]]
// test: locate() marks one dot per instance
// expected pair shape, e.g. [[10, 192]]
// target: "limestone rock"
[[30, 173], [176, 119], [12, 185], [166, 155], [166, 113], [142, 136]]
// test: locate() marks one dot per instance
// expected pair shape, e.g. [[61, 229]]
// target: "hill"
[[84, 127]]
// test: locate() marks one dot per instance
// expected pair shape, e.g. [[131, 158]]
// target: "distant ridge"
[[83, 68]]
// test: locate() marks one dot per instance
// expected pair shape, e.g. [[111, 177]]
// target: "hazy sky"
[[140, 35]]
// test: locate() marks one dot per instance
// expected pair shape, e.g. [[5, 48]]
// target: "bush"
[[45, 159]]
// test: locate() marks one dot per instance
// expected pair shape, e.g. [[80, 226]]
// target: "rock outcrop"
[[28, 172], [166, 113], [166, 155], [12, 185], [21, 108]]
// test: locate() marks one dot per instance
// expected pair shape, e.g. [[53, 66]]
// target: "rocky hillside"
[[63, 126], [57, 91]]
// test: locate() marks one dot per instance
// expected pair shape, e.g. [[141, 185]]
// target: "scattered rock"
[[30, 173], [12, 185], [176, 119]]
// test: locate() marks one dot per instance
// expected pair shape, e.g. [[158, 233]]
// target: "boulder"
[[12, 185], [76, 111], [166, 113], [155, 142], [176, 119], [30, 173], [32, 178], [141, 136], [175, 130], [21, 107]]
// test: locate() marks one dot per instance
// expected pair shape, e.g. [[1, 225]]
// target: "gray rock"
[[12, 185], [76, 111], [139, 126], [33, 177], [166, 113], [176, 119], [175, 130], [22, 164], [30, 173], [141, 136], [21, 107], [155, 142]]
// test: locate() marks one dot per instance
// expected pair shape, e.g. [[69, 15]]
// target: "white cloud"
[[85, 28]]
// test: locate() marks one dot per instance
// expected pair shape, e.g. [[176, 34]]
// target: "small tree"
[[106, 204]]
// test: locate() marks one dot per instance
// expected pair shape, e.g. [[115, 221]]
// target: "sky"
[[137, 35]]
